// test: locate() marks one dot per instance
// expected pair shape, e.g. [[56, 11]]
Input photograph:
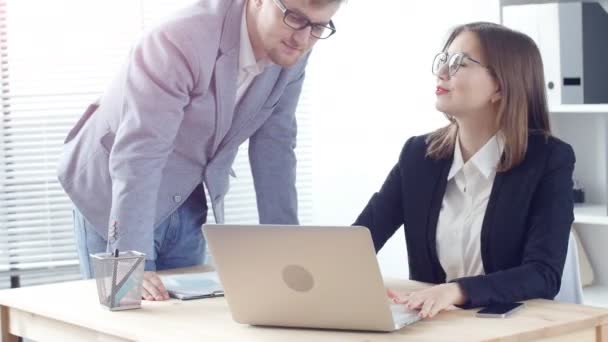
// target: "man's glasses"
[[299, 22], [453, 62]]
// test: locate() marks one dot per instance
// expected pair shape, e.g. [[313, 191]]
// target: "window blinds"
[[56, 57]]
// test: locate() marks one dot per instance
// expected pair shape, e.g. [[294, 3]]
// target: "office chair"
[[571, 290]]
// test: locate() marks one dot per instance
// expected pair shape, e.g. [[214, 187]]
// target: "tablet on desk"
[[193, 285]]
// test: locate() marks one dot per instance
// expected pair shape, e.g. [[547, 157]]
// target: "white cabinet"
[[577, 89]]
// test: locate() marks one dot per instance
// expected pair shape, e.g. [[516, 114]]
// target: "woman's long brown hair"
[[515, 63]]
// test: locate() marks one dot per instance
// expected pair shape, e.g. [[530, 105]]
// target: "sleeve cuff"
[[150, 265]]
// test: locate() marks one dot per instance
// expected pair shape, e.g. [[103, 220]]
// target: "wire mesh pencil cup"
[[119, 279]]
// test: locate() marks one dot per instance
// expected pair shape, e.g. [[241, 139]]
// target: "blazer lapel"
[[488, 219], [226, 71], [248, 111], [225, 75], [438, 174]]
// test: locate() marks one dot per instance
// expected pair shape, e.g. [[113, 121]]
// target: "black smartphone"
[[499, 310]]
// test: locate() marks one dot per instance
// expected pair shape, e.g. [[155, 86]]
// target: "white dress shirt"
[[249, 68], [463, 209]]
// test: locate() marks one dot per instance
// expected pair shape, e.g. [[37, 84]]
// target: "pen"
[[113, 291]]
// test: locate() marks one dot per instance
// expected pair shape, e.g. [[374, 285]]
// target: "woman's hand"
[[432, 300]]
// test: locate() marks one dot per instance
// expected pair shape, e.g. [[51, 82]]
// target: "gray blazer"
[[169, 121]]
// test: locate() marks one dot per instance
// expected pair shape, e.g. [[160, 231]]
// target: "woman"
[[486, 201]]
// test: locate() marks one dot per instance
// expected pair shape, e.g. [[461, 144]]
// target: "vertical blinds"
[[55, 58]]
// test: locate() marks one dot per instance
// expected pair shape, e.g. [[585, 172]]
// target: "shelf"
[[596, 295], [579, 109], [530, 2], [595, 214]]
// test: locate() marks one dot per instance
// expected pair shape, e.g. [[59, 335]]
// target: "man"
[[137, 164]]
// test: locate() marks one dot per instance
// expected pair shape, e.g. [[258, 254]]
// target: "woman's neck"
[[473, 135]]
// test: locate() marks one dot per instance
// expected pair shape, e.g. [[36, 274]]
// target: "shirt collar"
[[247, 61], [457, 163], [485, 160]]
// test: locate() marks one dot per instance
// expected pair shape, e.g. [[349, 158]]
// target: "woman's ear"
[[497, 96]]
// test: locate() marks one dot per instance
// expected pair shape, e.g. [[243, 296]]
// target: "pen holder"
[[119, 279]]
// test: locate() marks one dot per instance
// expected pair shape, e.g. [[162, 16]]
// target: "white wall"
[[372, 88]]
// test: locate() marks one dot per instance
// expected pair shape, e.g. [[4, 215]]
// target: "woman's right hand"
[[153, 287]]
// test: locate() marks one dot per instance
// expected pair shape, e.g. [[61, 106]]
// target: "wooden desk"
[[70, 312]]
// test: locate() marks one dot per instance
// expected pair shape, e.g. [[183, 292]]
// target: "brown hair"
[[514, 61]]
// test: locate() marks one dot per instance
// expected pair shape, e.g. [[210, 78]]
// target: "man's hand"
[[153, 287], [432, 300]]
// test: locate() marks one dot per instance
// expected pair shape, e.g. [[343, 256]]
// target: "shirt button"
[[177, 198]]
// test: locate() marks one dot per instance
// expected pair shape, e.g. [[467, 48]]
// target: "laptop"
[[299, 276]]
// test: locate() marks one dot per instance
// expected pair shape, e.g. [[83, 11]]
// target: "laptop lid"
[[298, 276]]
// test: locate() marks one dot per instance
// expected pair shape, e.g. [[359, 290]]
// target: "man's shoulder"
[[199, 22]]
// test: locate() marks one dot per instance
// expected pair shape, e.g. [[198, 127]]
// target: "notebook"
[[193, 285]]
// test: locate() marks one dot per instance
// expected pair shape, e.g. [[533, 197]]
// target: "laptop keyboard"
[[403, 316]]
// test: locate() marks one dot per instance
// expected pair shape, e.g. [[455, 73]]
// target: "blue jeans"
[[178, 240]]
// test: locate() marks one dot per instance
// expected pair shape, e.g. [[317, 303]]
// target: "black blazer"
[[525, 231]]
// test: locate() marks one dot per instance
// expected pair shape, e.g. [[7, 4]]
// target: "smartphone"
[[499, 310]]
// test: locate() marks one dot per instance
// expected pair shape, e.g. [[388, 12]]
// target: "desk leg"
[[602, 333], [5, 335]]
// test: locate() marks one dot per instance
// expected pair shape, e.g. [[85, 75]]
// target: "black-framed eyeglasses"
[[299, 22], [453, 62]]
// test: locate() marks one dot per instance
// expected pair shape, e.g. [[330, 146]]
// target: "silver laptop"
[[297, 276]]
